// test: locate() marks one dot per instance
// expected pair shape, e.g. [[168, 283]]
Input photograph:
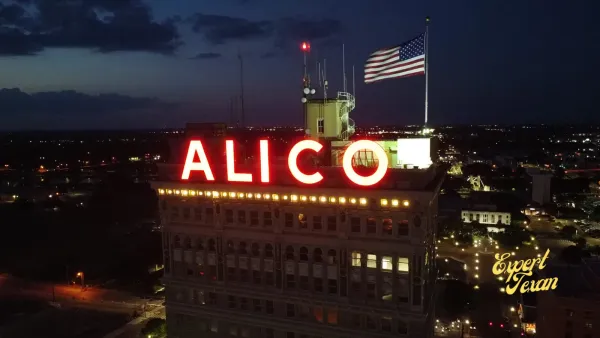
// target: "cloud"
[[219, 29], [207, 56], [16, 102], [30, 26]]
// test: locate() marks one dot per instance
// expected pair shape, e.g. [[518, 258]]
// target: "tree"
[[155, 327], [580, 242], [568, 231]]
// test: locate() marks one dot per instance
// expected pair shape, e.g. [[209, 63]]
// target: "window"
[[318, 282], [355, 224], [253, 218], [332, 286], [269, 251], [402, 264], [371, 261], [371, 290], [588, 325], [231, 302], [386, 263], [403, 228], [231, 274], [317, 225], [268, 218], [371, 225], [230, 247], [212, 298], [211, 245], [289, 253], [318, 255], [402, 327], [198, 213], [302, 221], [269, 278], [569, 313], [386, 324], [290, 281], [255, 250], [303, 282], [289, 220], [303, 254], [186, 213], [244, 303], [242, 248], [290, 310], [209, 214], [386, 227], [242, 216], [244, 276], [320, 126], [371, 323], [331, 256], [229, 216], [332, 316], [356, 257], [257, 305], [331, 223], [174, 212], [256, 277], [269, 307]]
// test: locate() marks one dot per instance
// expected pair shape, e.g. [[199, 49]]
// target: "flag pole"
[[426, 69]]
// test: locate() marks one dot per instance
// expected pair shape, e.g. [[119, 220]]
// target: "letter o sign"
[[377, 151]]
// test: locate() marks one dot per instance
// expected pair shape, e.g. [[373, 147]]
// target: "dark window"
[[244, 275], [290, 281], [231, 274], [209, 215], [289, 253], [229, 216], [355, 224], [386, 324], [303, 282], [332, 223], [318, 284], [303, 254], [371, 225], [198, 213], [268, 251], [231, 302], [244, 303], [387, 227], [212, 298], [290, 310], [257, 305], [332, 286], [174, 212], [371, 290], [321, 126], [317, 225], [269, 307], [186, 213], [253, 218], [256, 277], [318, 255], [242, 216], [403, 228], [268, 218], [289, 220]]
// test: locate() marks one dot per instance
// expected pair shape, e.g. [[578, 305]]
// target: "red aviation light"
[[195, 147], [305, 47]]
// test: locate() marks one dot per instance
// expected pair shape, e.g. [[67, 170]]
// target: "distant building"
[[573, 308], [541, 188], [487, 217]]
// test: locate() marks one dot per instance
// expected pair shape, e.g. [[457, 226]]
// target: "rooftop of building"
[[576, 281]]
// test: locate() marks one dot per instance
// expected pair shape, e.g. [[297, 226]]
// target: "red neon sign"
[[195, 147]]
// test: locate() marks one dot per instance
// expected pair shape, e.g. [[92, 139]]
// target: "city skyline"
[[174, 62]]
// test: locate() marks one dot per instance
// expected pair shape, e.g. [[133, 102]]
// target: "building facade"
[[289, 262], [486, 217]]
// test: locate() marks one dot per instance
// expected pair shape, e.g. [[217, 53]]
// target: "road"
[[97, 310], [134, 327]]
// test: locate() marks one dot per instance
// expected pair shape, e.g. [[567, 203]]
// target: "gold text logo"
[[518, 270]]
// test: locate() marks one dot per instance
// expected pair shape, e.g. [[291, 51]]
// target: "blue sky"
[[490, 61]]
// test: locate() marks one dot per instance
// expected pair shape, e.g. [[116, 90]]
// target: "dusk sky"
[[79, 64]]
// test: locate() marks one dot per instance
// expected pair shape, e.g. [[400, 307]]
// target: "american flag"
[[405, 60]]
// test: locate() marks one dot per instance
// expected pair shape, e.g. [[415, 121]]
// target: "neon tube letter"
[[232, 176], [194, 148], [377, 151], [293, 161]]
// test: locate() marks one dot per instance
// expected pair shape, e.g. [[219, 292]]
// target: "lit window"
[[356, 256], [303, 198], [402, 264], [387, 227], [371, 261], [386, 263], [363, 201], [384, 203], [294, 198], [342, 200]]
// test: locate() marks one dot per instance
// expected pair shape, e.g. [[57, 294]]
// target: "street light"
[[82, 276]]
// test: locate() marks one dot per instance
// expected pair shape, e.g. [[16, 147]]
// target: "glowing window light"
[[275, 197], [169, 192], [353, 200], [384, 202], [285, 197], [192, 192], [313, 198], [200, 193], [258, 196], [224, 194], [342, 200], [395, 203], [294, 198], [332, 199], [323, 199], [363, 201], [241, 195], [232, 194], [303, 198], [249, 195], [208, 193], [267, 196], [405, 203], [215, 194], [177, 192], [161, 191]]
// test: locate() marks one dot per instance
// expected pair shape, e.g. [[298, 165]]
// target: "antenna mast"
[[242, 88], [325, 83], [344, 66], [353, 83]]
